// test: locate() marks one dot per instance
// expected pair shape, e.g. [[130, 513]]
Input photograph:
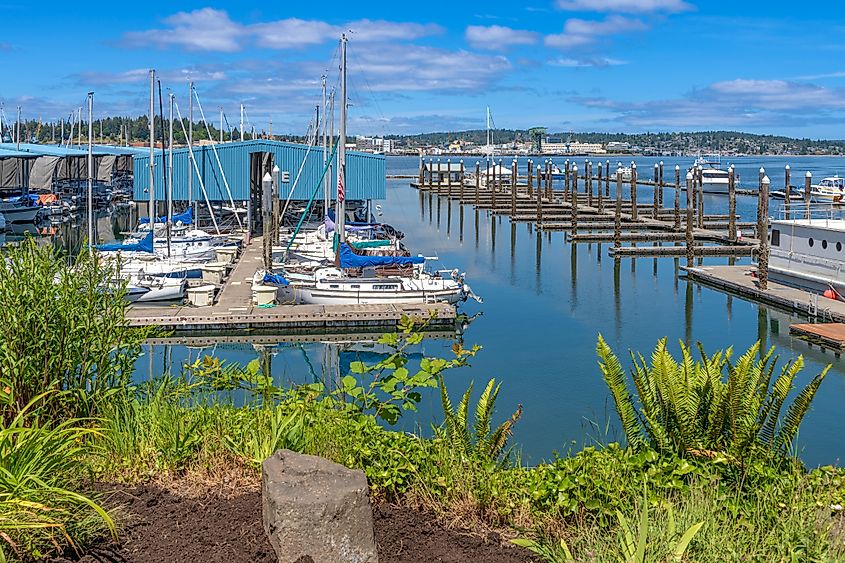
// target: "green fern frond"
[[797, 410], [614, 376]]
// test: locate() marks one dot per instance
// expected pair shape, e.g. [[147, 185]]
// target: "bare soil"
[[164, 524]]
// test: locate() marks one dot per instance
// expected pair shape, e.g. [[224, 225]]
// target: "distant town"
[[129, 131]]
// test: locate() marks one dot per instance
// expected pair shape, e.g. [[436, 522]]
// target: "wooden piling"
[[700, 199], [617, 215], [689, 239], [655, 201], [677, 198], [660, 185], [808, 187], [588, 183], [549, 181], [731, 203], [461, 191], [600, 191], [449, 178], [574, 199], [540, 207], [760, 202], [565, 180], [530, 180], [763, 236], [786, 191], [513, 188], [477, 182], [430, 173], [422, 171], [607, 179], [633, 191]]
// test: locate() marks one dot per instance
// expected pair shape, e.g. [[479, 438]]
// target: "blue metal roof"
[[12, 153], [44, 150], [365, 175]]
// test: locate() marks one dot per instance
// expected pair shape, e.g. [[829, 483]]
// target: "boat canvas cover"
[[276, 279], [41, 175], [105, 166], [348, 259], [9, 172], [143, 245], [378, 243], [186, 217]]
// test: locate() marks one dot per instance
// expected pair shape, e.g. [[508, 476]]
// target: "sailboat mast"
[[170, 176], [325, 151], [242, 123], [341, 149], [152, 152], [90, 169], [191, 147]]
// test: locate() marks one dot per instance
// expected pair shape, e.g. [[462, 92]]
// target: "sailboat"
[[358, 278]]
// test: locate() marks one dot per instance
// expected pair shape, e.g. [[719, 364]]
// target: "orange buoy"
[[829, 293]]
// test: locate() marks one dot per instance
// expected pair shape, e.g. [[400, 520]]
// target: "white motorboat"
[[829, 190], [714, 179], [144, 289], [627, 172]]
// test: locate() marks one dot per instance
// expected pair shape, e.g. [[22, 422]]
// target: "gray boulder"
[[314, 508]]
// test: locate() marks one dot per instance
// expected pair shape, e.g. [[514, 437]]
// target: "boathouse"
[[237, 168]]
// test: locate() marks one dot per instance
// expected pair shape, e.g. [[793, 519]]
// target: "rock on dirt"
[[316, 508]]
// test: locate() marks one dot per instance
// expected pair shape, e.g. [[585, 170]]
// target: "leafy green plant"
[[266, 431], [60, 329], [39, 513], [476, 439], [708, 408], [550, 552]]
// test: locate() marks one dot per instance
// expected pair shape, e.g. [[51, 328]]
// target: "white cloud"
[[292, 33], [732, 103], [626, 6], [208, 29], [579, 32], [205, 29], [498, 37], [598, 62]]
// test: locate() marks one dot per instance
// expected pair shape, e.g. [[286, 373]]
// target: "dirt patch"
[[164, 524], [408, 536]]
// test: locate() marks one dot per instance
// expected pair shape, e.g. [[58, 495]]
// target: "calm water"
[[545, 302]]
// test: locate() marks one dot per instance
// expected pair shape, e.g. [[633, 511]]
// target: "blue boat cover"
[[277, 279], [349, 259], [186, 217], [143, 245]]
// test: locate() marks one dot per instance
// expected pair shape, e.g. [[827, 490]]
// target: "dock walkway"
[[233, 309]]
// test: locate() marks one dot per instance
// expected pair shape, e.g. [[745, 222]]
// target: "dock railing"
[[800, 210]]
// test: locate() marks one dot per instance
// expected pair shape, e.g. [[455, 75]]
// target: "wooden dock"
[[233, 309], [829, 335], [739, 280]]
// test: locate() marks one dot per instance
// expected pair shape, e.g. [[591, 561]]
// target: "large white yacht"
[[714, 179], [829, 190], [809, 253]]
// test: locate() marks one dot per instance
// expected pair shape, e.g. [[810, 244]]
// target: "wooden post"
[[574, 199], [634, 210], [677, 198], [514, 178], [477, 181], [449, 178], [694, 194], [565, 180], [655, 203], [700, 200], [607, 178], [422, 171], [430, 173], [660, 185], [689, 237], [763, 236], [588, 181], [461, 190], [731, 204], [549, 180], [808, 188], [786, 192], [759, 198], [540, 206], [530, 179], [617, 216], [600, 190]]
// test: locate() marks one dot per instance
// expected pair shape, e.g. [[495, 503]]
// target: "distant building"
[[617, 147], [557, 146], [374, 144]]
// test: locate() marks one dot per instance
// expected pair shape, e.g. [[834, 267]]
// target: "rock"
[[316, 510]]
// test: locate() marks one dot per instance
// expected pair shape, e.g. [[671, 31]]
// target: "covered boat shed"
[[244, 163], [36, 167]]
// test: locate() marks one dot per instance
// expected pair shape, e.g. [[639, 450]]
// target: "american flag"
[[341, 193]]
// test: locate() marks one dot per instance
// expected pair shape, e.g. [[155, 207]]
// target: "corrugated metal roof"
[[365, 176], [12, 153]]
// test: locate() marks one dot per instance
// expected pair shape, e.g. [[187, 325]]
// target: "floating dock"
[[739, 281], [829, 335], [233, 309]]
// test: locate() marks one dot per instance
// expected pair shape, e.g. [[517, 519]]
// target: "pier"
[[589, 205], [233, 309]]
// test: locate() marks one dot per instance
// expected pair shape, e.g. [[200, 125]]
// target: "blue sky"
[[580, 65]]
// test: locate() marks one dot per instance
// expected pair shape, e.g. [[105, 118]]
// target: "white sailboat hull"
[[300, 294]]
